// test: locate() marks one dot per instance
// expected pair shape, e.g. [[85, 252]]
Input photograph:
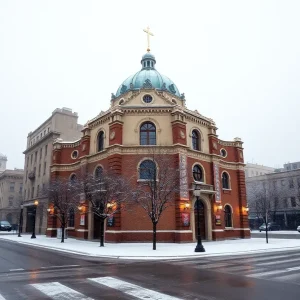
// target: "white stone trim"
[[229, 179], [82, 230], [207, 212], [203, 170], [225, 152], [51, 229], [218, 230], [201, 138]]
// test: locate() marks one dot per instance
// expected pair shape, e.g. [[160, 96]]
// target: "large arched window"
[[148, 134], [225, 180], [71, 221], [198, 173], [148, 170], [196, 140], [98, 172], [100, 141], [228, 216]]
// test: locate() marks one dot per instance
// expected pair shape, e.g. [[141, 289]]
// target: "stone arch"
[[229, 179], [138, 125], [97, 166], [203, 169], [231, 208], [139, 163], [190, 143], [95, 146], [208, 219]]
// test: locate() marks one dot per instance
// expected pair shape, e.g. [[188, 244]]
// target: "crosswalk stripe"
[[132, 289], [1, 297], [274, 272], [211, 266], [240, 268], [278, 262], [58, 291]]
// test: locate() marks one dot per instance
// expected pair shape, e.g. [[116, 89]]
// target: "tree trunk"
[[63, 229], [62, 234], [154, 236], [266, 222], [102, 233]]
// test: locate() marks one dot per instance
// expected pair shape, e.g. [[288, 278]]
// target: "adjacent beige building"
[[62, 124], [252, 170], [11, 187]]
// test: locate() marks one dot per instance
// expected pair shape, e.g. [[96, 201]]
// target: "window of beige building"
[[12, 187]]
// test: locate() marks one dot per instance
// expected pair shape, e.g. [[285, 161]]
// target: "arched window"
[[100, 141], [73, 178], [225, 181], [196, 140], [98, 172], [148, 170], [197, 173], [71, 222], [228, 216], [148, 134]]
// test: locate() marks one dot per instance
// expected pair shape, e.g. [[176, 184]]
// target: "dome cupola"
[[148, 61], [147, 77]]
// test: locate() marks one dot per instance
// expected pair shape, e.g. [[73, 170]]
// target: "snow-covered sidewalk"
[[292, 232], [164, 250]]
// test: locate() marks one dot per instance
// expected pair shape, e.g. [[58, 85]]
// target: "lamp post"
[[199, 247], [21, 221], [34, 217]]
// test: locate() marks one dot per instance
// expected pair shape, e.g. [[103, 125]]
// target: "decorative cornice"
[[144, 150], [43, 139]]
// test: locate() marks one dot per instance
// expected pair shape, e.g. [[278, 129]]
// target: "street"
[[31, 273]]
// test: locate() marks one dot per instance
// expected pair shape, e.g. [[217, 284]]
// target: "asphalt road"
[[30, 273]]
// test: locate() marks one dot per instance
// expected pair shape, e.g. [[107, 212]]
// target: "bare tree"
[[158, 186], [64, 197], [264, 199], [107, 194]]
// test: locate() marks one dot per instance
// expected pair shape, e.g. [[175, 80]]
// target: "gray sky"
[[236, 61]]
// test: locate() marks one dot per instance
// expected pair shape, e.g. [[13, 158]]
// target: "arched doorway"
[[201, 220]]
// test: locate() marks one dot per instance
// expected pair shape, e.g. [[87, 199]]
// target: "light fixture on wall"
[[246, 209], [219, 207], [187, 205]]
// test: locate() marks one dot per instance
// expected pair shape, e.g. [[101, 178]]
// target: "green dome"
[[148, 77]]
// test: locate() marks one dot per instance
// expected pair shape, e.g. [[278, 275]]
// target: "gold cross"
[[148, 37]]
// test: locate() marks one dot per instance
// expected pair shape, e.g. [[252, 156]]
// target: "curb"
[[151, 257]]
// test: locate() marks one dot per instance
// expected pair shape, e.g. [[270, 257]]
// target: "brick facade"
[[123, 150]]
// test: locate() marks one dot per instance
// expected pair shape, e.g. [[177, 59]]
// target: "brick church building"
[[148, 112]]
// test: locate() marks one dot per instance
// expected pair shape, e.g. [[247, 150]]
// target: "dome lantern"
[[148, 61]]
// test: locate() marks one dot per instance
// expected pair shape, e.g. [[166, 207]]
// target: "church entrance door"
[[202, 219]]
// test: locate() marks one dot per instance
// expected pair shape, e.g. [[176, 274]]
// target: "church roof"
[[148, 77]]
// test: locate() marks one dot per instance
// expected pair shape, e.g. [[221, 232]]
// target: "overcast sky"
[[236, 61]]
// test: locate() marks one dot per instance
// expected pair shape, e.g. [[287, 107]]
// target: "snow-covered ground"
[[164, 250], [278, 232]]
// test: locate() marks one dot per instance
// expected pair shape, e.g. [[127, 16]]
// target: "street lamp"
[[199, 247], [21, 221], [34, 217]]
